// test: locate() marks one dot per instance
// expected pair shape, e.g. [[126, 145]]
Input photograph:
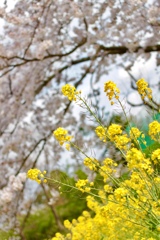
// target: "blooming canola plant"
[[123, 208]]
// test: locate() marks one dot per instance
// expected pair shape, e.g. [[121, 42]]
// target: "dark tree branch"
[[123, 49], [109, 51], [25, 60], [135, 104]]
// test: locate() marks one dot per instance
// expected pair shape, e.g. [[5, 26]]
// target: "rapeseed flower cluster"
[[128, 209], [36, 175], [134, 133], [156, 156], [70, 92], [107, 169], [143, 89], [83, 185], [101, 133], [137, 160], [115, 134], [114, 130], [111, 90], [122, 208], [62, 136], [91, 163], [154, 130]]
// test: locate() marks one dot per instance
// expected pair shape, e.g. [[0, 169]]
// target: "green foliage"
[[72, 205], [5, 235], [80, 174], [149, 149], [40, 225], [72, 201]]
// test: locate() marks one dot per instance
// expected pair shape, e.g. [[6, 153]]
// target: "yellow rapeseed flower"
[[36, 175], [143, 88], [101, 133], [111, 90], [91, 163], [67, 224], [58, 236], [81, 184], [136, 160], [156, 156], [154, 130], [61, 136], [67, 146], [108, 188], [120, 193], [70, 92], [134, 133], [122, 141], [124, 208], [114, 130]]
